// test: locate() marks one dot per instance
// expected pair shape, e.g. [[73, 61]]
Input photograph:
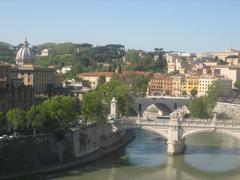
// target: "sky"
[[184, 25]]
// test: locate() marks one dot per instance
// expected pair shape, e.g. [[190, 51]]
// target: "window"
[[29, 80]]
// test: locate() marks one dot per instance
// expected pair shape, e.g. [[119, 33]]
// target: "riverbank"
[[120, 140], [209, 156]]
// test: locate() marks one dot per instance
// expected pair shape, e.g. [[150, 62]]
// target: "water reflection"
[[208, 156]]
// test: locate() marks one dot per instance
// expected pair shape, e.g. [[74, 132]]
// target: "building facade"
[[160, 84], [93, 77], [222, 54], [37, 77], [190, 83], [177, 63], [230, 72], [225, 84]]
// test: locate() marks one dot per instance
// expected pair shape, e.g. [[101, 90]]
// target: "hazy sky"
[[190, 25]]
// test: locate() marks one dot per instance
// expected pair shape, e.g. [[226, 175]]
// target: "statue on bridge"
[[178, 115]]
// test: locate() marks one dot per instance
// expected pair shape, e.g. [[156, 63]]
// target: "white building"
[[64, 69], [93, 77], [176, 63], [205, 82], [45, 52], [230, 72]]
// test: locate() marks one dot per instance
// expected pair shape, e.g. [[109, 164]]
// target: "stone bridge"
[[176, 128], [165, 103]]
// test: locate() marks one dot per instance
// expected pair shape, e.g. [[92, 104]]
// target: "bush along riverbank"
[[44, 153]]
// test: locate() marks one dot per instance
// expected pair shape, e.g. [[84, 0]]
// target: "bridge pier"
[[175, 147], [175, 143]]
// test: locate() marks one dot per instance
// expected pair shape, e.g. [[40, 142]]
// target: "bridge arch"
[[165, 109], [162, 133], [172, 103], [199, 131]]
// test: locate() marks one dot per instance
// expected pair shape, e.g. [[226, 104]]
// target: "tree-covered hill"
[[7, 52], [86, 57]]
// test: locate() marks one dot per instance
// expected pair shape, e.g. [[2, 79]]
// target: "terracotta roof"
[[110, 74], [133, 72], [97, 74]]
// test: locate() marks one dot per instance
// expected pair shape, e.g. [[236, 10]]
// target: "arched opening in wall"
[[139, 108], [156, 110], [175, 105]]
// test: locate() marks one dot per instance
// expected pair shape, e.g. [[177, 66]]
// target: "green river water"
[[208, 156]]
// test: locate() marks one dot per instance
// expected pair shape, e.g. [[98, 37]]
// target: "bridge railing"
[[189, 122], [168, 97]]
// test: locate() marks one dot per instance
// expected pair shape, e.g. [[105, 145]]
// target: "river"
[[208, 156]]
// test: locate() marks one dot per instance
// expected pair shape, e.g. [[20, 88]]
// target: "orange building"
[[160, 84]]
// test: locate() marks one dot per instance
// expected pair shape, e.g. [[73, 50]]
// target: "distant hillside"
[[7, 52]]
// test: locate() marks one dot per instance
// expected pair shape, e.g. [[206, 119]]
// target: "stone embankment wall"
[[228, 111], [29, 154]]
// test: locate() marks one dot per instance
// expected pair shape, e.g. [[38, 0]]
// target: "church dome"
[[24, 54]]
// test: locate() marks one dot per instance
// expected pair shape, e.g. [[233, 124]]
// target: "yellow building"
[[191, 82], [177, 87]]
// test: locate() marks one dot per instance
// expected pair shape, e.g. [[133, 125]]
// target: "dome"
[[24, 54]]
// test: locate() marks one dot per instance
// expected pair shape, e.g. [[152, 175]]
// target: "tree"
[[118, 88], [6, 52], [184, 93], [193, 92], [93, 108], [202, 107], [237, 85], [221, 62], [213, 93], [124, 99], [216, 59], [37, 118], [168, 93], [2, 121], [133, 56], [16, 117], [198, 108], [101, 80], [59, 111], [137, 84]]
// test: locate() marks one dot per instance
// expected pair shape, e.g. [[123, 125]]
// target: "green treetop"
[[202, 107], [193, 92], [16, 117], [93, 108]]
